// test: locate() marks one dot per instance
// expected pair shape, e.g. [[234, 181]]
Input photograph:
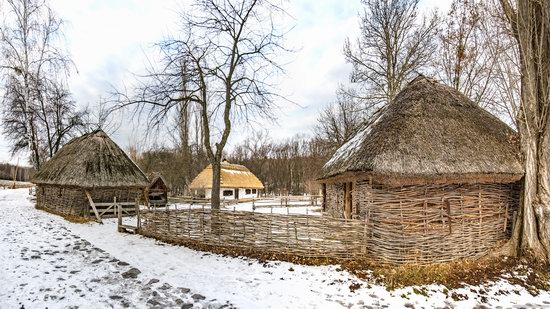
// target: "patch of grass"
[[525, 272]]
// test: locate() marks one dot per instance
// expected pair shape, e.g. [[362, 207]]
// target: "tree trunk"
[[531, 23], [215, 197]]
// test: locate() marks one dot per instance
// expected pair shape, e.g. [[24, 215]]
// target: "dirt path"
[[43, 264]]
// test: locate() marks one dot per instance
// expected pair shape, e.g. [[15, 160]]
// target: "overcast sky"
[[109, 40]]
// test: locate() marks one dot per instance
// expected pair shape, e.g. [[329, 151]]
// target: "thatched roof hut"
[[157, 191], [429, 159], [236, 182], [92, 163]]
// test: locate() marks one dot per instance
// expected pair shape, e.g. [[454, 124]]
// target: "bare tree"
[[57, 118], [32, 69], [504, 100], [394, 44], [463, 61], [223, 62], [341, 120], [530, 22]]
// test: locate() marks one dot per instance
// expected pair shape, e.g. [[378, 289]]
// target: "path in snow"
[[44, 264]]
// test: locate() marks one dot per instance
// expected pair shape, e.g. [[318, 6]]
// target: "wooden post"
[[93, 206], [479, 206], [505, 217], [449, 217], [119, 216], [189, 222], [138, 215]]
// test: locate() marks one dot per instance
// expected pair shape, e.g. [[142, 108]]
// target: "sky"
[[109, 41]]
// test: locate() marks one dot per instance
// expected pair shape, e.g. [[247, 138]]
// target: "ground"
[[46, 261]]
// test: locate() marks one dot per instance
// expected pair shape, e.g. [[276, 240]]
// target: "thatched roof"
[[157, 179], [232, 176], [431, 130], [91, 161]]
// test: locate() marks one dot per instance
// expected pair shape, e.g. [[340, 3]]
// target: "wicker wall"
[[73, 201], [429, 223]]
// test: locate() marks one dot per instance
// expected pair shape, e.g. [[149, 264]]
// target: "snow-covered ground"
[[47, 261], [262, 206]]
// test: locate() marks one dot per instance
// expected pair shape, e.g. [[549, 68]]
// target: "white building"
[[236, 182]]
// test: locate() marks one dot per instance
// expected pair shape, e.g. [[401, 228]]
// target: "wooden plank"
[[107, 209], [110, 204], [93, 206]]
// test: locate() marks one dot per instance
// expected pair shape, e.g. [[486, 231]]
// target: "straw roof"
[[91, 161], [231, 176], [431, 130], [156, 177]]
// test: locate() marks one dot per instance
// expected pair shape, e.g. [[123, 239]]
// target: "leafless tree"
[[33, 68], [477, 56], [504, 100], [341, 120], [530, 22], [394, 43], [463, 61], [224, 62]]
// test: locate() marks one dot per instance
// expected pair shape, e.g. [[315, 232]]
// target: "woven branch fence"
[[429, 223], [300, 235]]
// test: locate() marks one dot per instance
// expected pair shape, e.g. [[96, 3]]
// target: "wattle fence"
[[430, 235], [298, 235]]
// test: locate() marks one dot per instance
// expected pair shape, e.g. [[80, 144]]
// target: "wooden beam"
[[93, 206]]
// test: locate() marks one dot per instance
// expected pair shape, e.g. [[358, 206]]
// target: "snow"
[[242, 282], [262, 206], [349, 149]]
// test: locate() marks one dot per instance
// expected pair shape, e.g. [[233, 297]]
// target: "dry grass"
[[91, 161], [68, 217], [431, 130], [527, 273]]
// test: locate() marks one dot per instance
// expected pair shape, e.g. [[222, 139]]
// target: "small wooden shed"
[[85, 177], [157, 191], [434, 177]]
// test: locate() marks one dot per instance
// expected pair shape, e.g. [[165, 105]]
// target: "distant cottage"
[[237, 182], [434, 176], [88, 168]]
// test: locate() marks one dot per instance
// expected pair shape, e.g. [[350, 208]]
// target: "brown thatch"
[[232, 176], [157, 181], [431, 130], [91, 161]]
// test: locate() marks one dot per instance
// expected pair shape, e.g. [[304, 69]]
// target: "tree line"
[[14, 172]]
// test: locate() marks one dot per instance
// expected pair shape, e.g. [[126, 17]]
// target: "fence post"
[[189, 223], [119, 214], [202, 221], [308, 234], [138, 214]]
